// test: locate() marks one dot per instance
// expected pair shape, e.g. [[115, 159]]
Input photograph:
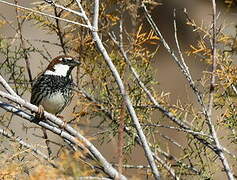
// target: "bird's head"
[[61, 66]]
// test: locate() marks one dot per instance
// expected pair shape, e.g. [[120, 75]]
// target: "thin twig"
[[185, 67], [176, 59], [64, 8], [123, 113], [207, 111], [92, 178], [161, 108], [59, 31], [26, 58], [120, 46], [7, 87], [69, 133], [123, 92], [220, 153], [200, 133], [234, 88], [23, 143], [44, 14], [129, 166], [137, 140]]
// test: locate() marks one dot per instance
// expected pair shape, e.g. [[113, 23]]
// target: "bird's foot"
[[40, 113], [63, 126], [60, 117]]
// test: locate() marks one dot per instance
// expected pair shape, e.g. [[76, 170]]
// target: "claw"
[[40, 112], [60, 116], [64, 123]]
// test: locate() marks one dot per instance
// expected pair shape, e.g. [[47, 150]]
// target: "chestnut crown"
[[62, 66]]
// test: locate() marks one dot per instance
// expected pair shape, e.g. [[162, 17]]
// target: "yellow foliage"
[[45, 173], [200, 48], [145, 37], [9, 171], [2, 22], [113, 18]]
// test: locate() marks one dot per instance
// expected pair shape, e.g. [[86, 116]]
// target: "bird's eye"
[[66, 59]]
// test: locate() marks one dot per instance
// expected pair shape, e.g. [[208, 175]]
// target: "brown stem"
[[19, 24]]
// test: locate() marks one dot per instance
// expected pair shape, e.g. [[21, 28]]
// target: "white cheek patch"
[[60, 70], [68, 58]]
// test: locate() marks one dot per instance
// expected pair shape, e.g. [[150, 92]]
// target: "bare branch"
[[157, 105], [7, 87], [182, 66], [180, 129], [44, 14], [137, 139], [127, 95], [234, 88], [20, 141], [96, 15], [220, 153], [207, 112], [185, 67], [71, 134], [23, 44], [121, 87], [63, 8], [123, 93]]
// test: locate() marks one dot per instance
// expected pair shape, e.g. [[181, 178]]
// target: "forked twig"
[[63, 130]]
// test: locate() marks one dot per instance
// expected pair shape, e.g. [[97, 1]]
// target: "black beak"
[[74, 63]]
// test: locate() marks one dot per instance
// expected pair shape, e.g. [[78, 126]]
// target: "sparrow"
[[52, 89]]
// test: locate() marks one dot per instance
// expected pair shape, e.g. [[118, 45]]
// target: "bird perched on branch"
[[52, 90]]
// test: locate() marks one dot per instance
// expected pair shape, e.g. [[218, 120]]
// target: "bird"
[[52, 89]]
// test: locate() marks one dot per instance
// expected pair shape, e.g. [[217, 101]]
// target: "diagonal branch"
[[7, 87], [220, 153], [120, 84], [68, 132], [44, 14], [19, 140], [182, 65], [207, 111]]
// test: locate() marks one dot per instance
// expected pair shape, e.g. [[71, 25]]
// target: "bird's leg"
[[60, 116], [40, 113], [64, 122]]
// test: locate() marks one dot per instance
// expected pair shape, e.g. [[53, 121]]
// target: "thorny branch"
[[137, 139], [11, 136], [157, 105], [44, 14], [220, 153], [207, 111], [120, 84], [26, 57], [68, 133], [120, 46], [181, 63]]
